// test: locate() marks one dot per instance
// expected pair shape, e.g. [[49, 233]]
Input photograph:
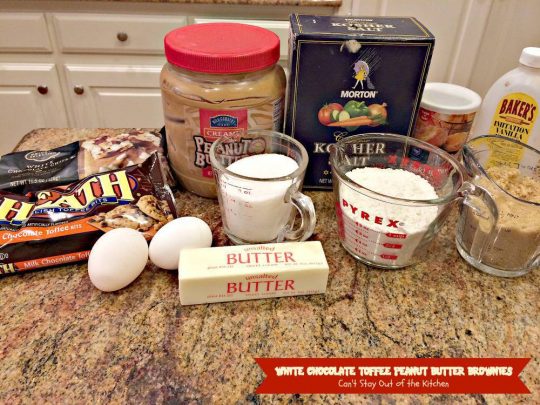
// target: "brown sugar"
[[514, 241]]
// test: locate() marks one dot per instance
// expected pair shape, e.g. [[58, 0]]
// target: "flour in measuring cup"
[[380, 232]]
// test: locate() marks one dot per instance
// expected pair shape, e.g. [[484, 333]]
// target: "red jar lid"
[[222, 48]]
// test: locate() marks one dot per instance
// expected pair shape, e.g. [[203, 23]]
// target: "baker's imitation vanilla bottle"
[[510, 108]]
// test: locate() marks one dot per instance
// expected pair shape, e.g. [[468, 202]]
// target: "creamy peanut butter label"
[[214, 124], [514, 118]]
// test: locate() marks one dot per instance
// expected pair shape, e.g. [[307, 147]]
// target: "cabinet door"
[[24, 32], [30, 97], [101, 33], [115, 96]]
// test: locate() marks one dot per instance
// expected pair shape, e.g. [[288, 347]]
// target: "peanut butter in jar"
[[221, 79]]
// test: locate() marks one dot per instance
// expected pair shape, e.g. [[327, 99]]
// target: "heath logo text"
[[116, 187]]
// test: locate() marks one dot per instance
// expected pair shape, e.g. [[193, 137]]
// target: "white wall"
[[512, 25]]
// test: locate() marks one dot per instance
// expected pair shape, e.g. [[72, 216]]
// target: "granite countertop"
[[62, 340], [311, 3]]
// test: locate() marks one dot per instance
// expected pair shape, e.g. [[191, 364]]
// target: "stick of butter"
[[237, 273]]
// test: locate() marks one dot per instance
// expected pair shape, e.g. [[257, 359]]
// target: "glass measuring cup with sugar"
[[393, 194], [259, 175], [511, 246]]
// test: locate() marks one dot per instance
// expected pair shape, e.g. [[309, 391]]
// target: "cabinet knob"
[[42, 89], [78, 90], [122, 36]]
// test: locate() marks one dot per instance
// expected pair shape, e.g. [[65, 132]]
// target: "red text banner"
[[392, 376]]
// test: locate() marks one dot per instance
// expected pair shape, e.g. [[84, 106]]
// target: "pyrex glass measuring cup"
[[258, 207], [511, 246], [378, 227]]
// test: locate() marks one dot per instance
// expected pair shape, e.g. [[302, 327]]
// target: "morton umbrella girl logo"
[[367, 62], [361, 72]]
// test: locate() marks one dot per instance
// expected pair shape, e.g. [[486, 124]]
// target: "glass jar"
[[221, 79]]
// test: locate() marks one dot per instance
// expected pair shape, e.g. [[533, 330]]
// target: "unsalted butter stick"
[[237, 273]]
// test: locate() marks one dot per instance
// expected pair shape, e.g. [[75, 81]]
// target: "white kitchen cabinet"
[[118, 34], [24, 32], [449, 21], [30, 97], [114, 95], [114, 51]]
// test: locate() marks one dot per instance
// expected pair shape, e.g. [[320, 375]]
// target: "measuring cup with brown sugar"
[[509, 245]]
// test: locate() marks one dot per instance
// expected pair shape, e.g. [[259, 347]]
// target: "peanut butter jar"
[[221, 79]]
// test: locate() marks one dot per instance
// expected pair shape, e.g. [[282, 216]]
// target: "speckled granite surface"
[[61, 340], [312, 3]]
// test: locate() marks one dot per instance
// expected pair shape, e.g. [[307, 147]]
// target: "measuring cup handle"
[[489, 211], [305, 207], [469, 190]]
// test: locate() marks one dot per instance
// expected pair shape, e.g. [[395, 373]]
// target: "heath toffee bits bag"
[[60, 225]]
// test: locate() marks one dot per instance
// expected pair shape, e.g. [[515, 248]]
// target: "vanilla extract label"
[[514, 118]]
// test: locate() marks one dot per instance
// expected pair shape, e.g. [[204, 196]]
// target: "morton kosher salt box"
[[352, 75]]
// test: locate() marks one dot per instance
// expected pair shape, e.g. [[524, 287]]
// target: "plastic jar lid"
[[222, 48], [447, 98], [530, 57]]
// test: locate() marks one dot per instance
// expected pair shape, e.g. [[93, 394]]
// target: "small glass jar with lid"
[[221, 79]]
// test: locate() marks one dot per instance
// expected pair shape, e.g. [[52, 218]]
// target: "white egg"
[[186, 232], [117, 258]]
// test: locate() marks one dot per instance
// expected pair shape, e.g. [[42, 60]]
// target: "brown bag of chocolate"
[[60, 225]]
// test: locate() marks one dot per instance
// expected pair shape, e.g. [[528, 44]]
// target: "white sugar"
[[256, 211], [264, 166]]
